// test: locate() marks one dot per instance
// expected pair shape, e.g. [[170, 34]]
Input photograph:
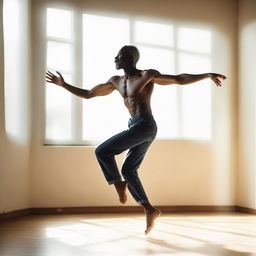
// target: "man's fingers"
[[217, 81], [49, 81], [59, 74], [48, 76], [221, 76], [50, 73], [216, 78]]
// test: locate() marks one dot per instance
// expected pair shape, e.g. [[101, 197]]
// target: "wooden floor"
[[119, 234]]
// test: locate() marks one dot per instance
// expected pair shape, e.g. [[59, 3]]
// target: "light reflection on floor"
[[184, 235], [123, 234]]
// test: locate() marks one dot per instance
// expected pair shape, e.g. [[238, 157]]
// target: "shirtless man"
[[136, 87]]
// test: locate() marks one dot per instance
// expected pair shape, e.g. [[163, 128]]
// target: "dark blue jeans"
[[137, 138]]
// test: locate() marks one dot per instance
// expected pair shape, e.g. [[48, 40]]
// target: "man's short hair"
[[132, 51]]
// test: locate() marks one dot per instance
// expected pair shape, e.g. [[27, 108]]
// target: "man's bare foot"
[[121, 188], [151, 216]]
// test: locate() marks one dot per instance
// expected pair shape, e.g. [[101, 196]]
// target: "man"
[[136, 87]]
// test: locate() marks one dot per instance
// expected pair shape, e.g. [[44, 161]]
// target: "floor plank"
[[123, 234]]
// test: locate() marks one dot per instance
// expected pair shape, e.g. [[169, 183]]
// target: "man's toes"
[[149, 229]]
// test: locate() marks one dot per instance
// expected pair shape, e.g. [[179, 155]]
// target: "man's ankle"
[[148, 207]]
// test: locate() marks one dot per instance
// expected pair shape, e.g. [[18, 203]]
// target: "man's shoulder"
[[114, 79], [150, 72]]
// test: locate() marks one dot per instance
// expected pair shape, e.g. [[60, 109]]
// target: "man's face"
[[121, 60]]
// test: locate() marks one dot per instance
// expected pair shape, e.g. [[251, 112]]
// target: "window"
[[180, 111]]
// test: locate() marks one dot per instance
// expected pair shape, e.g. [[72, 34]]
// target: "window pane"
[[59, 23], [195, 98], [160, 59], [100, 46], [195, 40], [58, 112], [192, 63], [196, 111], [164, 108], [59, 56], [164, 98], [153, 33], [102, 116]]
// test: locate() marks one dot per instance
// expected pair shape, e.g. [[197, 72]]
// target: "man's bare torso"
[[136, 92]]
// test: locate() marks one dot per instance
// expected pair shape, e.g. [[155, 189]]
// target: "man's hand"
[[51, 78], [216, 78]]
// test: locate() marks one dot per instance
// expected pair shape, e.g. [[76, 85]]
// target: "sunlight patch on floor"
[[196, 235]]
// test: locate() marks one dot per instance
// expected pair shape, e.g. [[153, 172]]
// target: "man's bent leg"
[[106, 152], [142, 130], [133, 160], [131, 164], [108, 165]]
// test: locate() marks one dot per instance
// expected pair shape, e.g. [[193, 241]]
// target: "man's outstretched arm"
[[182, 79], [98, 90]]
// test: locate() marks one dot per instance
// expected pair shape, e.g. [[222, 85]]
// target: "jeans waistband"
[[142, 116], [133, 120]]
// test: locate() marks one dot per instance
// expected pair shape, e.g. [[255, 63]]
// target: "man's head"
[[128, 56]]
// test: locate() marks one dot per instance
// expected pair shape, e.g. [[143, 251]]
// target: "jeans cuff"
[[110, 182], [142, 202]]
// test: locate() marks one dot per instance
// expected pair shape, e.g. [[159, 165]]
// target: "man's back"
[[136, 91]]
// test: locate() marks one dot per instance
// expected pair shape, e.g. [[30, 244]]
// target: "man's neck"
[[128, 72]]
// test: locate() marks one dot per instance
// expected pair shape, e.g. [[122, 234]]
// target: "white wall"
[[14, 100], [175, 172], [246, 176]]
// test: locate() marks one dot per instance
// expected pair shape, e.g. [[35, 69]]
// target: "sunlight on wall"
[[15, 71]]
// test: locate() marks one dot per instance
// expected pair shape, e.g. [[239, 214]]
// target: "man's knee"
[[101, 151], [128, 171], [98, 151]]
